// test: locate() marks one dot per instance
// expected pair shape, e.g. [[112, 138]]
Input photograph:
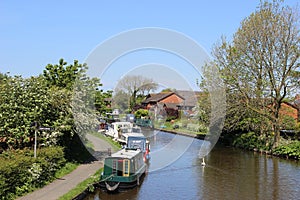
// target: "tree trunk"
[[276, 127]]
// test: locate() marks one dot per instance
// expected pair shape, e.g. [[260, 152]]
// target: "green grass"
[[68, 168], [169, 127], [115, 145], [81, 187]]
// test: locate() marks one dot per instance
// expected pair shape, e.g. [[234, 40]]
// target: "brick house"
[[291, 109], [163, 99], [178, 100]]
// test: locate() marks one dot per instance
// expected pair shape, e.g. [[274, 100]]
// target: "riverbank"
[[60, 187], [287, 150], [200, 136]]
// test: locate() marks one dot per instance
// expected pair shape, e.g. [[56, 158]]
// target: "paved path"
[[62, 186]]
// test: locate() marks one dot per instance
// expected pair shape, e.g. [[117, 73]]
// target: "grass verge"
[[68, 168], [81, 187], [115, 145]]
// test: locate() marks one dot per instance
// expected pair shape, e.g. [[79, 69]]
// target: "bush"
[[141, 113], [197, 128], [251, 141], [20, 172], [291, 150]]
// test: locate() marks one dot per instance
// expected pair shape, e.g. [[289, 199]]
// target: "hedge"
[[291, 150], [21, 173]]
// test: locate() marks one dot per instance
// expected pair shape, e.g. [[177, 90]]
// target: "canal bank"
[[288, 150], [174, 131], [64, 185]]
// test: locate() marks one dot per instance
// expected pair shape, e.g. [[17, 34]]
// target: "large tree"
[[64, 75], [52, 101], [260, 67], [134, 86]]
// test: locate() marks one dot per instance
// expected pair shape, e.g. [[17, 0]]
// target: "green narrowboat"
[[123, 170]]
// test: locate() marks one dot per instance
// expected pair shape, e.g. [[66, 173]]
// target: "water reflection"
[[229, 174], [234, 174]]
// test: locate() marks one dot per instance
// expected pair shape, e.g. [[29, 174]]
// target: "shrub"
[[20, 172], [291, 150], [197, 128], [251, 141]]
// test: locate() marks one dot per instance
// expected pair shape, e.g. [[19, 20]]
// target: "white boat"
[[114, 129]]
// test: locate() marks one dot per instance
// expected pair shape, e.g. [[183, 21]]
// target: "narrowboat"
[[145, 123], [113, 130], [123, 170], [133, 138]]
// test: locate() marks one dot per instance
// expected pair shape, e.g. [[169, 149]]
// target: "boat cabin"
[[123, 169]]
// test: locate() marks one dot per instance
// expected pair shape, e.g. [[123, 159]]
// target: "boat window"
[[114, 167], [126, 166], [120, 168]]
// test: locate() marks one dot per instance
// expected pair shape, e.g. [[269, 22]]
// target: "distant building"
[[169, 99], [291, 109], [163, 102]]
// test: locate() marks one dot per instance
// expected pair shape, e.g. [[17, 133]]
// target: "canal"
[[228, 174]]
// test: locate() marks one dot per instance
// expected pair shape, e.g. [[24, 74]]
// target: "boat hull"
[[116, 183]]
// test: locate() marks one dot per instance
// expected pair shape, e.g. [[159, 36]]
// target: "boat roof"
[[121, 123], [133, 134], [126, 153]]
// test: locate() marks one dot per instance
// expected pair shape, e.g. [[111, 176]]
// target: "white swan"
[[203, 162]]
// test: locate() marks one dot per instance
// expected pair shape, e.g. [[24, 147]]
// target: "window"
[[126, 166], [114, 167]]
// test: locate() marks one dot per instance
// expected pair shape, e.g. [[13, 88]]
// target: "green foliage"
[[170, 118], [141, 113], [62, 75], [23, 101], [197, 128], [255, 73], [252, 141], [102, 102], [291, 150], [49, 101], [21, 173], [288, 122]]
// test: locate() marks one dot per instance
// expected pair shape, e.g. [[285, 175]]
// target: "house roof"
[[160, 96], [169, 105], [191, 97]]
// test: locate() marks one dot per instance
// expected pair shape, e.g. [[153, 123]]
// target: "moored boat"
[[133, 138], [113, 129], [145, 123], [123, 170]]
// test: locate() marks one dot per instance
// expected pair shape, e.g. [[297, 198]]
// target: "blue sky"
[[35, 33]]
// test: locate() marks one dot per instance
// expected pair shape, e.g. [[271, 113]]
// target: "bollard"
[[109, 151]]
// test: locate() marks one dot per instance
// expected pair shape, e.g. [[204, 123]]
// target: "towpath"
[[63, 185]]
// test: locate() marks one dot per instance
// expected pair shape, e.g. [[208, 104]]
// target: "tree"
[[134, 86], [22, 102], [121, 100], [51, 102], [63, 75], [260, 67]]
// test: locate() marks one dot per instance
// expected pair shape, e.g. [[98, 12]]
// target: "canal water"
[[228, 174]]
